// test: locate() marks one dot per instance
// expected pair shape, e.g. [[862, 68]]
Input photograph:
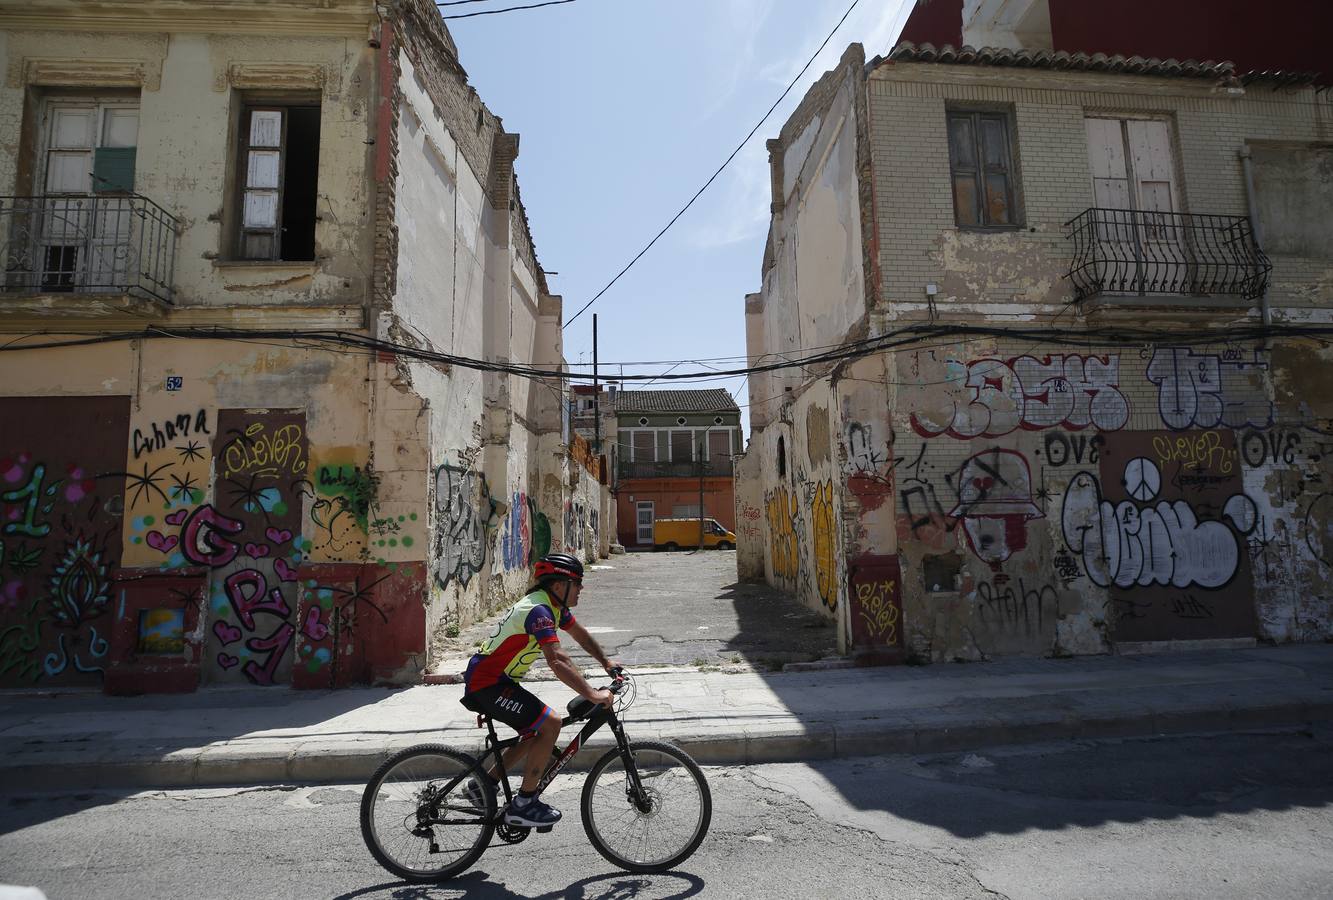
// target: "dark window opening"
[[942, 573], [278, 174]]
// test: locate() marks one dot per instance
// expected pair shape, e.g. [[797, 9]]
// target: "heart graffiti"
[[227, 634], [258, 551], [161, 542], [178, 517], [278, 535], [227, 661], [285, 572], [314, 628]]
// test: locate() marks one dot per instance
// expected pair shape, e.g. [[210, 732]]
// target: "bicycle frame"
[[495, 749]]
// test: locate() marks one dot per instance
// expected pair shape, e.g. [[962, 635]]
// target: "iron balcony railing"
[[628, 469], [1129, 251], [87, 243]]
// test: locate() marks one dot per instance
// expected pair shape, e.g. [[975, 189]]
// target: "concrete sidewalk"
[[254, 736]]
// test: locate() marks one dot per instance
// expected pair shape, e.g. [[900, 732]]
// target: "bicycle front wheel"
[[418, 827], [661, 827]]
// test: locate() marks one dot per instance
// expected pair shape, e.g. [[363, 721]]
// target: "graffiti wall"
[[799, 516], [1055, 501], [158, 548], [62, 499]]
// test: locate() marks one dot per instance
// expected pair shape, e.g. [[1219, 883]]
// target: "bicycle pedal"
[[542, 829]]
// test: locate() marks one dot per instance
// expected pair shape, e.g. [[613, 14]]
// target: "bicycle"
[[432, 801]]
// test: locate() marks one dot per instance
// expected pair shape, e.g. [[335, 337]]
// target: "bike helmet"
[[559, 565]]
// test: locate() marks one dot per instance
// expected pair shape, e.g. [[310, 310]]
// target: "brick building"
[[671, 452], [256, 237], [1080, 408]]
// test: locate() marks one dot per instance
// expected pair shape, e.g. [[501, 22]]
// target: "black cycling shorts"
[[511, 704]]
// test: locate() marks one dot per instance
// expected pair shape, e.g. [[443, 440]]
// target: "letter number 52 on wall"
[[174, 382]]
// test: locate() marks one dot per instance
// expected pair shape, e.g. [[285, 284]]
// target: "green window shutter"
[[113, 169]]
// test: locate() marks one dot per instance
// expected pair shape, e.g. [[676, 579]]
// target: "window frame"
[[1013, 196], [248, 104]]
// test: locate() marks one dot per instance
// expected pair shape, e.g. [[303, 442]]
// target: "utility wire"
[[725, 163], [908, 336], [495, 12]]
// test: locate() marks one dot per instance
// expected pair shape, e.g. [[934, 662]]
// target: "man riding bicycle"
[[493, 674]]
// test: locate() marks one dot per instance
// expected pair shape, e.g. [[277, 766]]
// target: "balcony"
[[1134, 253], [89, 244], [713, 467]]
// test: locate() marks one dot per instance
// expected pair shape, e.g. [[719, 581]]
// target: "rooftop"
[[713, 400], [906, 51]]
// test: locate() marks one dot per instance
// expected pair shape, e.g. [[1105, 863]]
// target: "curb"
[[919, 731]]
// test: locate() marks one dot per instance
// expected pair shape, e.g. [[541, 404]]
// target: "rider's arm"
[[566, 671], [589, 643]]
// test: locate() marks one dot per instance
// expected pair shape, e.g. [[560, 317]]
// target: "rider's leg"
[[539, 754], [512, 757]]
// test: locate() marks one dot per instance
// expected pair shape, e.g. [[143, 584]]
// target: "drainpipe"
[[1247, 167]]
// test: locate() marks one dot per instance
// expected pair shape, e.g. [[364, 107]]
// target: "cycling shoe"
[[533, 814]]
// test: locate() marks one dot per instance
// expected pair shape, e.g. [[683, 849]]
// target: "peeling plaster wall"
[[1020, 273], [1002, 497], [1087, 494], [190, 99]]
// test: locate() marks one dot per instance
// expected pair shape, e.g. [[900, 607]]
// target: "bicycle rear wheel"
[[413, 827], [666, 827]]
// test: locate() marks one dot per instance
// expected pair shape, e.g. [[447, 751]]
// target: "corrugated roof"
[[906, 51], [713, 400]]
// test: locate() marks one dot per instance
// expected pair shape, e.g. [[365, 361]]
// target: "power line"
[[908, 336], [725, 163], [494, 12]]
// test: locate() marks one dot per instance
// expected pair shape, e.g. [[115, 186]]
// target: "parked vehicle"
[[673, 534]]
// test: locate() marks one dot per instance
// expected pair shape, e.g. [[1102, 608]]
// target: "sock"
[[524, 798]]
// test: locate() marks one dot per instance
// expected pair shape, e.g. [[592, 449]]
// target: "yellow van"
[[673, 534]]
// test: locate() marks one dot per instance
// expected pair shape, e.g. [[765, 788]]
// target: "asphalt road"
[[1209, 817], [685, 608]]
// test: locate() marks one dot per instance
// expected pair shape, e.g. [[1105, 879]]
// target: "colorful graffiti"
[[525, 534], [61, 499], [1025, 392], [170, 466], [822, 520], [343, 496], [463, 510], [783, 516], [1204, 390], [250, 540]]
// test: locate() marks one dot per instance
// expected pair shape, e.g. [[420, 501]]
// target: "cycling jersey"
[[517, 641]]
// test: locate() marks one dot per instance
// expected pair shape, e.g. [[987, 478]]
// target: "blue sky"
[[625, 108]]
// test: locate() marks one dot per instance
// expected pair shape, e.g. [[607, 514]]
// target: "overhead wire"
[[906, 336], [496, 12], [725, 163]]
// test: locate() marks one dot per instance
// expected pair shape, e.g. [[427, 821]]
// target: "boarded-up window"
[[1294, 190], [981, 168], [645, 446], [682, 446], [1131, 164], [719, 446], [278, 175]]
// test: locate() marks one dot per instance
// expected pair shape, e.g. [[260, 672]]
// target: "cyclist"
[[492, 688]]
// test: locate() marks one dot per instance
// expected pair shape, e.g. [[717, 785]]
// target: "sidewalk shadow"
[[613, 886], [1082, 785]]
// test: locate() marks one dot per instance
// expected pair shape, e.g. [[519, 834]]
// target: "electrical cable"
[[725, 163], [907, 336], [496, 12]]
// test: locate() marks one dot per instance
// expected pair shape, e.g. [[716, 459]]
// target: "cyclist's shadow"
[[612, 886]]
